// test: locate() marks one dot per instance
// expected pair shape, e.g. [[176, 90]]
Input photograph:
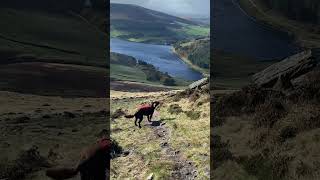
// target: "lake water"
[[236, 32], [160, 56]]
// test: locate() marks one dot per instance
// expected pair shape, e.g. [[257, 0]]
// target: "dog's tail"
[[61, 173], [129, 116]]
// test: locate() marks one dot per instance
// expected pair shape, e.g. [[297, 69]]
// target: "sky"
[[195, 8]]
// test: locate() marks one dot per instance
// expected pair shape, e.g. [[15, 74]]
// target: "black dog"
[[144, 111]]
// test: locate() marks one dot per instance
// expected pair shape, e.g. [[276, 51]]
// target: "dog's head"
[[155, 104]]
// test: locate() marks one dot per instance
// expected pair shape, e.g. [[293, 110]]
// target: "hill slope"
[[175, 145], [43, 45], [196, 53], [136, 23]]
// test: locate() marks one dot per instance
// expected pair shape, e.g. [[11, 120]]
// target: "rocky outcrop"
[[279, 75], [199, 83]]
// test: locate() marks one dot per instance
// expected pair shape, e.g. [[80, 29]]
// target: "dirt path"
[[183, 169]]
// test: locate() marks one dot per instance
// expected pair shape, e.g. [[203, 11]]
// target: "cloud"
[[176, 7]]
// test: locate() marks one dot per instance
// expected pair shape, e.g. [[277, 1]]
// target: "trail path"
[[183, 169]]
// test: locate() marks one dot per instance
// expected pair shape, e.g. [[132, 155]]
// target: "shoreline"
[[192, 66], [292, 28]]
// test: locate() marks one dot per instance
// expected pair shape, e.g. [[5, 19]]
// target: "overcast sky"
[[174, 7]]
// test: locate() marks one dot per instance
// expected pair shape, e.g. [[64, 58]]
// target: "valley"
[[144, 68]]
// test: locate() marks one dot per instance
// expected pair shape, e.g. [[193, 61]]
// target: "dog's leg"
[[150, 117], [135, 122], [141, 118]]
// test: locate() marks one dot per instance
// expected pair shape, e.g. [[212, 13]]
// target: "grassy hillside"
[[174, 146], [139, 24], [127, 68], [267, 134], [196, 53], [301, 10], [49, 52], [46, 131], [275, 14], [50, 34]]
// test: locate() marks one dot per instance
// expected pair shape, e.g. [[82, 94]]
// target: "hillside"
[[127, 70], [43, 45], [270, 128], [196, 53], [134, 23], [175, 145], [44, 131], [233, 71], [299, 18], [305, 10]]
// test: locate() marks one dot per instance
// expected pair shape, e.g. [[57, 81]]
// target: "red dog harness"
[[144, 106], [104, 143]]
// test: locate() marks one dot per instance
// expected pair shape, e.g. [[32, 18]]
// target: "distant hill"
[[127, 68], [136, 23], [196, 52], [53, 5]]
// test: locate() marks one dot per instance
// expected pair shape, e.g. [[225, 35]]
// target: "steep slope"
[[269, 132], [298, 18], [136, 23]]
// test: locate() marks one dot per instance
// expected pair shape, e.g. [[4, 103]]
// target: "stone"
[[280, 74], [150, 177]]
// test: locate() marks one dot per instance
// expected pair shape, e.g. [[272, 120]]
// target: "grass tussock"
[[270, 134], [27, 162]]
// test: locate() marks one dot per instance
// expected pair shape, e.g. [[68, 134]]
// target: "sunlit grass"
[[188, 136]]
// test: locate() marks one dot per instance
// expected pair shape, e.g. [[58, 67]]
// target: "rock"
[[199, 83], [150, 177], [280, 74], [126, 153]]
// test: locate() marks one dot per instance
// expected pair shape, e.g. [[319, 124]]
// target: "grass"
[[57, 31], [187, 135], [305, 34], [57, 133], [127, 73], [270, 135], [196, 30], [141, 25]]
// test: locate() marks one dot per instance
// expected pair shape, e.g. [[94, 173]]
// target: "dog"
[[146, 110], [94, 162]]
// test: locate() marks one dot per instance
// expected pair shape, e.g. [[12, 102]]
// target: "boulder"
[[281, 73]]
